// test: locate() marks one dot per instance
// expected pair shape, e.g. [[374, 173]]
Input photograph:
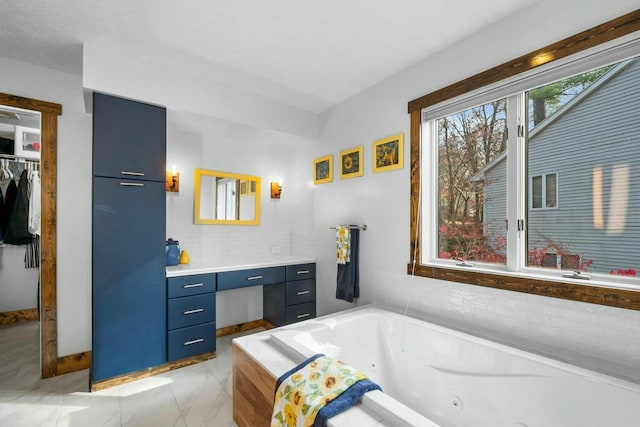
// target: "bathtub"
[[432, 375]]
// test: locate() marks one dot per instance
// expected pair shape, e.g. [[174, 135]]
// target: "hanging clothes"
[[9, 201], [34, 203], [32, 253], [17, 232], [1, 210]]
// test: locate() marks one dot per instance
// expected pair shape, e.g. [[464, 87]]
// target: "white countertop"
[[217, 266]]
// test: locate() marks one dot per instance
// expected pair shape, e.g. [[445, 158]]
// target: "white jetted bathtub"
[[455, 379]]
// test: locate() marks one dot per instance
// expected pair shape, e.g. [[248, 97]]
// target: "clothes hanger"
[[4, 169]]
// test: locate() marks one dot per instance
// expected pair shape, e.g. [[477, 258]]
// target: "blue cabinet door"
[[129, 291], [129, 139]]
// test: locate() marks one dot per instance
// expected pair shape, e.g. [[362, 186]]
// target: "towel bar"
[[361, 227]]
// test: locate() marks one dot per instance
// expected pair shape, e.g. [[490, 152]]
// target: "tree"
[[468, 141], [546, 100]]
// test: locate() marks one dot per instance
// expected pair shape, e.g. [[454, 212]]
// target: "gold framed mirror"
[[226, 198]]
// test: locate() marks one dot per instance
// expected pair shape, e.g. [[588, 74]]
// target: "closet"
[[19, 217]]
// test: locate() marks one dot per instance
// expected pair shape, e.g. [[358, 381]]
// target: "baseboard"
[[241, 327], [73, 363], [134, 376], [76, 362], [9, 317]]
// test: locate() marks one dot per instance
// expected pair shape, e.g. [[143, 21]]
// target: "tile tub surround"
[[197, 395]]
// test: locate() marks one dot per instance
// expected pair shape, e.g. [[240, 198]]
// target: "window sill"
[[592, 292]]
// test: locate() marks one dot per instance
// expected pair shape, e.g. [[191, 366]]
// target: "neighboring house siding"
[[565, 146], [495, 204], [573, 150]]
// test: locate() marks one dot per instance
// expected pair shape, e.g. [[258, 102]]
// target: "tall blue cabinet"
[[128, 250]]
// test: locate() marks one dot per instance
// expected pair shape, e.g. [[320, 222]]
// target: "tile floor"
[[197, 395]]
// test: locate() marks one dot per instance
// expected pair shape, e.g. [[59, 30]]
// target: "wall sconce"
[[276, 189], [172, 183]]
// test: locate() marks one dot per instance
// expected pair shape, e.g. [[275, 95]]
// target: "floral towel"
[[343, 244], [316, 390]]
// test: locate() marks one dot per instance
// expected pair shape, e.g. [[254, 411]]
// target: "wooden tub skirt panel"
[[253, 391]]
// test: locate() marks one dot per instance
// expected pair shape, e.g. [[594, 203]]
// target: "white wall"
[[132, 73], [600, 337], [18, 286]]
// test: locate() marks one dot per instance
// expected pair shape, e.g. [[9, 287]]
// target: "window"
[[560, 261], [469, 144], [487, 182], [543, 191], [588, 125]]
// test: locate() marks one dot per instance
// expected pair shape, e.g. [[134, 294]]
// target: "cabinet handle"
[[193, 285], [132, 173], [254, 277], [194, 341], [132, 184], [196, 310], [302, 316], [303, 272], [303, 292]]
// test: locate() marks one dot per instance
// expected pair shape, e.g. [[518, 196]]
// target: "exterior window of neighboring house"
[[544, 191], [565, 262], [583, 127]]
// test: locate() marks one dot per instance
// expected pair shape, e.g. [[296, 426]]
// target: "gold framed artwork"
[[323, 169], [351, 162], [252, 187], [388, 153], [244, 187]]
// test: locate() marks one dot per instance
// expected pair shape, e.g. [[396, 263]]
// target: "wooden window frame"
[[621, 298]]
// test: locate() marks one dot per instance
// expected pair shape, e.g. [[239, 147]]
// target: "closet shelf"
[[18, 158]]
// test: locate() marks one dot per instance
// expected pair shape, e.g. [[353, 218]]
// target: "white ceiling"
[[311, 53]]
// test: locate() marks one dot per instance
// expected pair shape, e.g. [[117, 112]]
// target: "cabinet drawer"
[[301, 291], [191, 341], [297, 313], [251, 277], [183, 286], [301, 271], [193, 310]]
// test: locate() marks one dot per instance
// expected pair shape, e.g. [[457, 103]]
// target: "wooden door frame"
[[48, 170]]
